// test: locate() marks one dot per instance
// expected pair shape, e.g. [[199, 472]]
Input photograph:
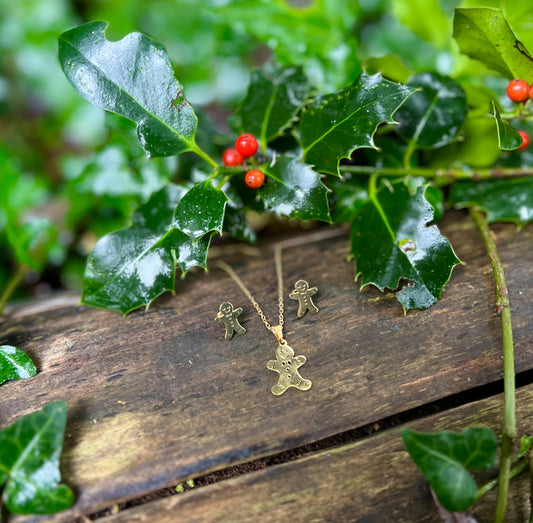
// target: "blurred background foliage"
[[70, 173]]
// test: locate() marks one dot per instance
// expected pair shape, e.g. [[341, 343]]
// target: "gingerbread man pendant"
[[302, 292], [228, 316], [287, 365]]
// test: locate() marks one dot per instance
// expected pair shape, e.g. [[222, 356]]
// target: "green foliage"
[[508, 137], [335, 125], [392, 242], [444, 458], [322, 41], [15, 364], [29, 463], [295, 190], [131, 267], [484, 34], [502, 200], [274, 98], [134, 78], [433, 116]]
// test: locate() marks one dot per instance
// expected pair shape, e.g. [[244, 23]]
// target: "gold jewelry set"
[[286, 363]]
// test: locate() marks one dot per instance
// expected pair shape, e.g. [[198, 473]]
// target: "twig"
[[442, 175], [509, 417], [12, 284]]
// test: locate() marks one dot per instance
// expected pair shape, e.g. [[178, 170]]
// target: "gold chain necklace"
[[286, 363]]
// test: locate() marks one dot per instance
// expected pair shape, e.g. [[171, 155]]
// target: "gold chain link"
[[279, 272]]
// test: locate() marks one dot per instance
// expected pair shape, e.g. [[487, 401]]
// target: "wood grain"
[[160, 396], [370, 481]]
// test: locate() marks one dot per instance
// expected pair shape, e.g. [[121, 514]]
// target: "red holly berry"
[[246, 144], [525, 140], [531, 91], [518, 90], [232, 157], [254, 178]]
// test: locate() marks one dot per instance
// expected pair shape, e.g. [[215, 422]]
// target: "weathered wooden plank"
[[370, 481], [160, 396]]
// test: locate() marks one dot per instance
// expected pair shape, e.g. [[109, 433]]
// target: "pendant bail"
[[278, 332]]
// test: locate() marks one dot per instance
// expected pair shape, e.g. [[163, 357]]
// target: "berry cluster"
[[245, 146], [520, 92]]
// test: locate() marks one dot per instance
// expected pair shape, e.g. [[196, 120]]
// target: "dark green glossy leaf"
[[349, 195], [134, 78], [445, 458], [335, 125], [130, 268], [433, 116], [433, 195], [508, 200], [391, 243], [294, 189], [15, 364], [508, 137], [201, 210], [30, 450], [275, 96], [484, 34]]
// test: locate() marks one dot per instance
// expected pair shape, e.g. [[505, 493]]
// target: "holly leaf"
[[274, 98], [15, 364], [295, 190], [131, 267], [433, 116], [200, 211], [29, 462], [508, 137], [335, 125], [392, 243], [444, 458], [134, 78], [484, 34], [509, 200]]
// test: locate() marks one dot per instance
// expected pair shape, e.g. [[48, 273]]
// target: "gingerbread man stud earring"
[[302, 292], [228, 316]]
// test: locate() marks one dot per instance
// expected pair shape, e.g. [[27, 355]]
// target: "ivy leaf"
[[509, 200], [508, 137], [445, 458], [275, 96], [484, 34], [295, 190], [29, 462], [134, 78], [433, 116], [391, 242], [15, 364], [335, 125], [130, 268]]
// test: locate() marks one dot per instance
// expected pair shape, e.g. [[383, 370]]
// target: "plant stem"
[[443, 175], [515, 471], [12, 284], [200, 152], [509, 418]]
